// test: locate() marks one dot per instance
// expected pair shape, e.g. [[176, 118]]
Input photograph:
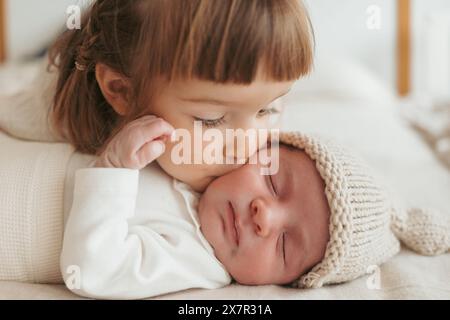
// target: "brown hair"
[[224, 41]]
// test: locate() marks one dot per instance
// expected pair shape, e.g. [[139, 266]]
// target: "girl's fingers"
[[148, 131], [139, 143], [150, 152]]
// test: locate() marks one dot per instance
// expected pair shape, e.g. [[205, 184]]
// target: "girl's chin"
[[200, 185]]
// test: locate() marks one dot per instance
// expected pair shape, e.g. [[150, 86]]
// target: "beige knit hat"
[[365, 226]]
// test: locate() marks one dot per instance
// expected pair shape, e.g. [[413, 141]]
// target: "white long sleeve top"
[[135, 234]]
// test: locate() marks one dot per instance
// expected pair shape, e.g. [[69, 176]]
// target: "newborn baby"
[[322, 218], [280, 221]]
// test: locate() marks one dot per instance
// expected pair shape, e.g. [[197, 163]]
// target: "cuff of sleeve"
[[106, 180]]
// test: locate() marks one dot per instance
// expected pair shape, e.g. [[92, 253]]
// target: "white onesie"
[[133, 234]]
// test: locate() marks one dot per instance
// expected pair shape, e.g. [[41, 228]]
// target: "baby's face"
[[267, 229]]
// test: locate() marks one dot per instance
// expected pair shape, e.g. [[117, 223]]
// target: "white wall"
[[432, 74], [340, 27], [33, 24]]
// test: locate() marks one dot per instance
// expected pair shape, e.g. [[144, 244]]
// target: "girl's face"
[[219, 106]]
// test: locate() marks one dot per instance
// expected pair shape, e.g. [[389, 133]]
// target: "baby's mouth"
[[234, 223]]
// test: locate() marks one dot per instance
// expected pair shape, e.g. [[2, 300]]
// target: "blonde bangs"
[[228, 41]]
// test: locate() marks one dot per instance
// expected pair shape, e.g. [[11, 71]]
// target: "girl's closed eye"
[[267, 111], [271, 114], [211, 123]]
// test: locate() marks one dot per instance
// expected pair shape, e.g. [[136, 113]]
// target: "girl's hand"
[[137, 144]]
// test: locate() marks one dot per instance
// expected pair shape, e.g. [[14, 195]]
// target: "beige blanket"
[[406, 276], [32, 176]]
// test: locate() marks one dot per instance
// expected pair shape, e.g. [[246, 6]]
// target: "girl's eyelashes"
[[284, 247], [267, 112], [211, 123]]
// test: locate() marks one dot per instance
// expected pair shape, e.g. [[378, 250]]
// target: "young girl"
[[224, 63], [136, 71]]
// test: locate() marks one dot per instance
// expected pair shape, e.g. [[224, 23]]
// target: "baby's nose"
[[264, 220]]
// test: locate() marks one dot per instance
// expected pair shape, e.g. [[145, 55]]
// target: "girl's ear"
[[115, 87]]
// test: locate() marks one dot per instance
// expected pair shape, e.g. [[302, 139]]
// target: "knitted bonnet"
[[365, 226]]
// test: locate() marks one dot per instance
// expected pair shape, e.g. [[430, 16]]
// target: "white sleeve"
[[102, 255]]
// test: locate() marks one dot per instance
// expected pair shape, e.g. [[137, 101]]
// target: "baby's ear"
[[115, 87]]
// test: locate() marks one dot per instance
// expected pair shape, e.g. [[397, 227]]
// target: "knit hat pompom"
[[365, 226], [422, 230]]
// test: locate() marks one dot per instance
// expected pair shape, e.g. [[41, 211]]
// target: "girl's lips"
[[231, 224]]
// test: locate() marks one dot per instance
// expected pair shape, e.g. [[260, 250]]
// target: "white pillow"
[[24, 113]]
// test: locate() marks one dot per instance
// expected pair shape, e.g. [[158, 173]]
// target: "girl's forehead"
[[197, 89]]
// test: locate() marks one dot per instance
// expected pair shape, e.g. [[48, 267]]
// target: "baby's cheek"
[[250, 269]]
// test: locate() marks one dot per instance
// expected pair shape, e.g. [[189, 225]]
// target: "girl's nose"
[[264, 219]]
